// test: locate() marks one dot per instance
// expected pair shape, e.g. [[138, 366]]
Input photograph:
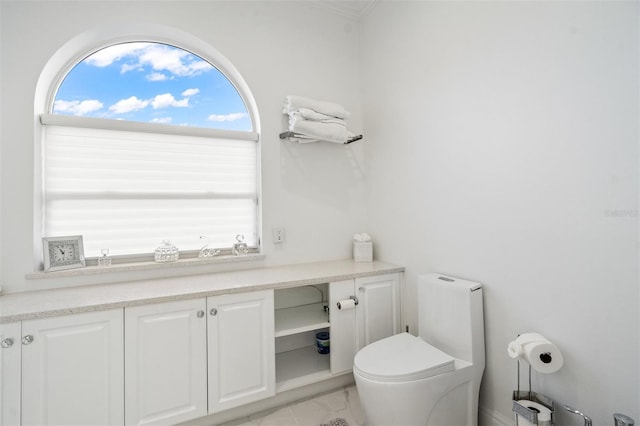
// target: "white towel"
[[309, 114], [331, 132], [297, 117], [294, 103]]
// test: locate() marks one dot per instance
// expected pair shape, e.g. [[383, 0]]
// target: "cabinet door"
[[343, 327], [10, 374], [72, 370], [241, 349], [165, 362], [378, 313]]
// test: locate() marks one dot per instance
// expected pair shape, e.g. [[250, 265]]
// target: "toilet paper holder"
[[531, 414], [355, 302]]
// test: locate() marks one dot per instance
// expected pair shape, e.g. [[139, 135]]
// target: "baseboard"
[[489, 417]]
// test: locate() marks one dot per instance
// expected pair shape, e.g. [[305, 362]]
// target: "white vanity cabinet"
[[188, 358], [241, 349], [378, 312], [10, 368], [87, 357], [165, 362], [300, 315], [73, 369], [376, 316]]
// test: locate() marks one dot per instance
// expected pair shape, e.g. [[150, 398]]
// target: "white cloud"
[[175, 61], [162, 120], [128, 105], [182, 103], [190, 92], [156, 76], [77, 107], [227, 117], [130, 67], [109, 55], [167, 100], [159, 57], [163, 101]]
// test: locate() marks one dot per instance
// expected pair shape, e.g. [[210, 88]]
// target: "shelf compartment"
[[300, 367], [299, 319]]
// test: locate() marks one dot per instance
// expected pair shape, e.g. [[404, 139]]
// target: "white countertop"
[[48, 303]]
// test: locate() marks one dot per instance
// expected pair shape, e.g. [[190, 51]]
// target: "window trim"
[[84, 45]]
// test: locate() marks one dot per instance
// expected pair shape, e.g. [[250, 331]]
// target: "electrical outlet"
[[278, 235]]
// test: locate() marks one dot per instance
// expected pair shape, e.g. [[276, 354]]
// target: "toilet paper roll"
[[544, 414], [346, 304], [540, 353]]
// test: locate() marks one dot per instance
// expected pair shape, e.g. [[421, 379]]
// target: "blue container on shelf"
[[322, 342]]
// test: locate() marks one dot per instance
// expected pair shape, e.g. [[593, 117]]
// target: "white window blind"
[[127, 190]]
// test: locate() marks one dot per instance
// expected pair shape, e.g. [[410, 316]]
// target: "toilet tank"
[[450, 316]]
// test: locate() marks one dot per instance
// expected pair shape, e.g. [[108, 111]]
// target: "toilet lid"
[[402, 357]]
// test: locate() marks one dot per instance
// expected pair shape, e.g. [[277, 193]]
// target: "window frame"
[[86, 44]]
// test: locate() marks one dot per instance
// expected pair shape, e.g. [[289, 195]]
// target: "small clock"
[[63, 253]]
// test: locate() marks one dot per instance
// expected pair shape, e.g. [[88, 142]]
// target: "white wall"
[[1, 232], [503, 147], [315, 191]]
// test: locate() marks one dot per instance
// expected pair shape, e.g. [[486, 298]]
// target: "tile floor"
[[342, 403]]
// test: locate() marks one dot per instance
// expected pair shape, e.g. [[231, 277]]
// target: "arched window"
[[151, 83], [145, 142]]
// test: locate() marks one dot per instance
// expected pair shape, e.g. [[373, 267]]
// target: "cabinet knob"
[[27, 340], [361, 289], [7, 342], [213, 312], [200, 314]]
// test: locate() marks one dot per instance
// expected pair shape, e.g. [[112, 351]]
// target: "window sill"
[[144, 266]]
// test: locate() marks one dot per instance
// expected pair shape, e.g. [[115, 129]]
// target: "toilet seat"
[[401, 358]]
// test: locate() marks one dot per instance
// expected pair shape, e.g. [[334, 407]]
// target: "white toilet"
[[433, 379]]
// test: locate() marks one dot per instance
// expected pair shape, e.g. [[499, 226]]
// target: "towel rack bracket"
[[289, 134]]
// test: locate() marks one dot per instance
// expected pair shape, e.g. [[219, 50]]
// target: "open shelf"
[[300, 366], [299, 319]]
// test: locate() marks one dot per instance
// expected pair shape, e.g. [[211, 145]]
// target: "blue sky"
[[151, 82]]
